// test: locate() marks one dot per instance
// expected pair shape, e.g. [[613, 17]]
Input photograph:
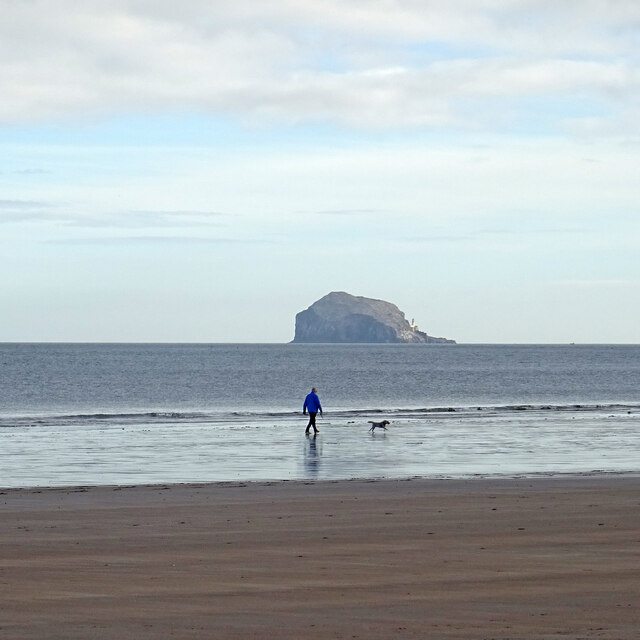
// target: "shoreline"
[[508, 558], [498, 478]]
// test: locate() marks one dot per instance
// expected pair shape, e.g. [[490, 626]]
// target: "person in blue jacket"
[[312, 405]]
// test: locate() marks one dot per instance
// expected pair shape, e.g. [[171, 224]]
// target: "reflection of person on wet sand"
[[312, 457], [312, 405]]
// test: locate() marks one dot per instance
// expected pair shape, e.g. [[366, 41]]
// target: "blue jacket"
[[312, 403]]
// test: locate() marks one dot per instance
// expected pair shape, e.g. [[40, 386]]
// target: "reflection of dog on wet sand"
[[378, 425]]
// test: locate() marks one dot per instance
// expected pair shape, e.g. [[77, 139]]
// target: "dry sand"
[[522, 558]]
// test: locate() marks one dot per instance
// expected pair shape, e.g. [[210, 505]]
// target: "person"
[[312, 405]]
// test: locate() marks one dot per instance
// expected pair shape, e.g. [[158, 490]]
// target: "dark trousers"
[[312, 422]]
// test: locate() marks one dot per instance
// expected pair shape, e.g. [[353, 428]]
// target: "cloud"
[[348, 212], [26, 211], [151, 240], [146, 219], [21, 205], [481, 236], [369, 64], [597, 283], [39, 212], [438, 238]]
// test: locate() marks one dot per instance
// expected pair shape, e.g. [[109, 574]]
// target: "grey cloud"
[[348, 212], [35, 211], [146, 219], [249, 59], [25, 216], [21, 205], [26, 211], [156, 241], [438, 237], [531, 230], [596, 283], [493, 232]]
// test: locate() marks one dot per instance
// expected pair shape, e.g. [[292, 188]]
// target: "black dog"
[[379, 425]]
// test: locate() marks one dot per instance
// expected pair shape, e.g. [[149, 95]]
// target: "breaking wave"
[[150, 418]]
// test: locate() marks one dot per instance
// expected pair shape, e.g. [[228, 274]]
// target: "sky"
[[201, 171]]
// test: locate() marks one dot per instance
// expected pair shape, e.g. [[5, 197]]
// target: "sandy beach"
[[482, 558]]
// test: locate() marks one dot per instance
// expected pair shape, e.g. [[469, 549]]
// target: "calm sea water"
[[75, 414]]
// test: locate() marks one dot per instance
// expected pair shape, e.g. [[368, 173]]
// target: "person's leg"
[[315, 429], [312, 422]]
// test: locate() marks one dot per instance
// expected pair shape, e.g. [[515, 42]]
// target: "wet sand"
[[473, 559]]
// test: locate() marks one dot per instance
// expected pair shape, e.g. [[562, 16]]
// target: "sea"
[[123, 414]]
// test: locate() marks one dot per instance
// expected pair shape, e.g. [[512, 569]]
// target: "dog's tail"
[[371, 422]]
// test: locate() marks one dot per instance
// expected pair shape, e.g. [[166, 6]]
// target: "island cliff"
[[341, 317]]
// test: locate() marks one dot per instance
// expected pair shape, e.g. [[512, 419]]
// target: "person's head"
[[314, 389]]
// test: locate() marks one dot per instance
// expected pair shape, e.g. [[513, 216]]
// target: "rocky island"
[[341, 317]]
